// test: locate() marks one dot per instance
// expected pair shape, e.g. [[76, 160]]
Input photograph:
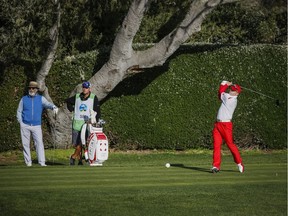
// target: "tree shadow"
[[49, 163], [200, 169], [109, 25], [135, 84], [30, 70], [2, 69], [102, 58], [174, 20]]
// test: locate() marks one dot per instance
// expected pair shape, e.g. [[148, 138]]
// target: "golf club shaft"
[[257, 92]]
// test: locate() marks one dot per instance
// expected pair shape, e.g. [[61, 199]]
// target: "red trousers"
[[224, 130]]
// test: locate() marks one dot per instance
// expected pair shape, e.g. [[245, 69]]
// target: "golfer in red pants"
[[223, 128]]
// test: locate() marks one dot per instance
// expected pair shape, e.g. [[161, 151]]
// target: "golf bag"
[[95, 143]]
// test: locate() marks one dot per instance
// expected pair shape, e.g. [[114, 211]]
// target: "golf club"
[[276, 100]]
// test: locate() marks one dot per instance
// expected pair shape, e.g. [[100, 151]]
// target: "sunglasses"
[[32, 88]]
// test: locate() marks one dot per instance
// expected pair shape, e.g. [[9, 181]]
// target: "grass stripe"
[[127, 185]]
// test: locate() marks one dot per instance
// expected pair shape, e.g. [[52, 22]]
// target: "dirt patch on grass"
[[8, 160], [11, 157]]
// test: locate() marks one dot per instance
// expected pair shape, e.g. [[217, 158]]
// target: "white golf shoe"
[[240, 167], [215, 170]]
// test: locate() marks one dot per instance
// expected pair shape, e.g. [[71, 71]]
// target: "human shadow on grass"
[[198, 168], [54, 163], [49, 163], [192, 168]]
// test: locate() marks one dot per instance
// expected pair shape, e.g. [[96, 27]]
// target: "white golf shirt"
[[229, 103]]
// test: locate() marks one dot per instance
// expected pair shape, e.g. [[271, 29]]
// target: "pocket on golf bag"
[[97, 147]]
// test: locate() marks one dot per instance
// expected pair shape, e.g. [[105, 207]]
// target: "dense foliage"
[[173, 106], [177, 109], [87, 25], [154, 109]]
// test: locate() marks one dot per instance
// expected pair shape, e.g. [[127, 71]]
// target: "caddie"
[[223, 127], [29, 115], [81, 105]]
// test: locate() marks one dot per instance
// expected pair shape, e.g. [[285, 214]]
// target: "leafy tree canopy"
[[87, 24]]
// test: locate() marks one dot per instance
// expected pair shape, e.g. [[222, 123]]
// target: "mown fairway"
[[140, 184]]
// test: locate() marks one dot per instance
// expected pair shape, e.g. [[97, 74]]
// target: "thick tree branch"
[[115, 70], [123, 57], [124, 61], [47, 64], [158, 54], [122, 46]]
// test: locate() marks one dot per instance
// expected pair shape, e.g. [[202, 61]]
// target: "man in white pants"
[[29, 115]]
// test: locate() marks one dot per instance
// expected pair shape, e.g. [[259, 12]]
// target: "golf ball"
[[167, 165]]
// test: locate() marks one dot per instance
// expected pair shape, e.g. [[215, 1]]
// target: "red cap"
[[236, 87]]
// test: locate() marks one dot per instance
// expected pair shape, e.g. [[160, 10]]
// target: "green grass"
[[139, 184]]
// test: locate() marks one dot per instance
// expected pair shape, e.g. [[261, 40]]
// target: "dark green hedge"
[[62, 79], [173, 106], [13, 82]]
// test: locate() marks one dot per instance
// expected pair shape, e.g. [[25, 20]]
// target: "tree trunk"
[[125, 61], [46, 66]]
